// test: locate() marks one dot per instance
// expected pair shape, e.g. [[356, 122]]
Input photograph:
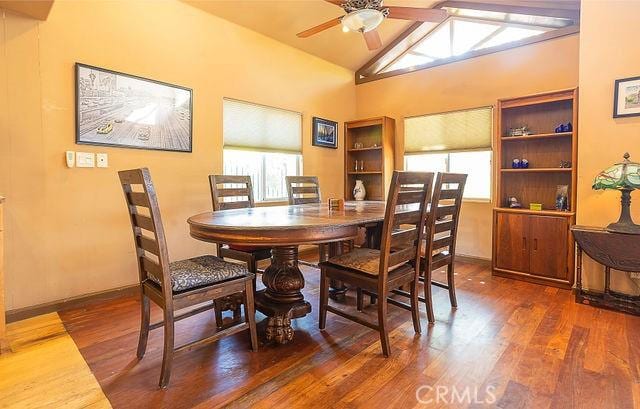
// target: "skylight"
[[471, 30], [460, 35]]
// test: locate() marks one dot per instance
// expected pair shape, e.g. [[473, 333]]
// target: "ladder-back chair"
[[174, 286], [234, 192], [397, 262]]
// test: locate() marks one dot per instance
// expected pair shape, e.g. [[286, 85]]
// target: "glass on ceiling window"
[[468, 30]]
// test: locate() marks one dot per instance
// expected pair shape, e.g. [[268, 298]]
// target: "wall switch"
[[70, 157], [85, 160], [102, 160]]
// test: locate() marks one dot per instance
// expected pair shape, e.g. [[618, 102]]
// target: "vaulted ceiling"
[[282, 19]]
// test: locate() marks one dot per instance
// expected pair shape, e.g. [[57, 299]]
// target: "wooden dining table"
[[284, 229]]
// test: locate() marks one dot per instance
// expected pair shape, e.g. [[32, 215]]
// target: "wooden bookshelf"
[[531, 245], [377, 138]]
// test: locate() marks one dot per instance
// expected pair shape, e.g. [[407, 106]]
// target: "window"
[[476, 164], [470, 30], [457, 142], [264, 143]]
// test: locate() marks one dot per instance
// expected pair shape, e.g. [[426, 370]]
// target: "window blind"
[[449, 131], [259, 127]]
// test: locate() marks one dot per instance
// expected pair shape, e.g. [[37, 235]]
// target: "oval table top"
[[285, 225]]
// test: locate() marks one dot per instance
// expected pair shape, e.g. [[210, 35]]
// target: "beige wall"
[[67, 231], [472, 83], [608, 51]]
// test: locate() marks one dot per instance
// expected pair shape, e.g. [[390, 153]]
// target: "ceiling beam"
[[38, 10]]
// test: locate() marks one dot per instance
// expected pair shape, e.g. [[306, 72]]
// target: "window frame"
[[448, 164], [374, 69]]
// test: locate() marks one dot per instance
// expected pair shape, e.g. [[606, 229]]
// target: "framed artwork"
[[626, 97], [126, 111], [325, 133]]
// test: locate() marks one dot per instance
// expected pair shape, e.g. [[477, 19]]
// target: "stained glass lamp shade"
[[625, 177]]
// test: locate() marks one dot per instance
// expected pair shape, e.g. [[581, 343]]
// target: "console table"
[[614, 251]]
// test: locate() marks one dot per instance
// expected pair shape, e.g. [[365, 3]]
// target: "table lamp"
[[625, 177]]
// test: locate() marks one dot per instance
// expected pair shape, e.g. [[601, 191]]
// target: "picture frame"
[[626, 97], [127, 111], [324, 133]]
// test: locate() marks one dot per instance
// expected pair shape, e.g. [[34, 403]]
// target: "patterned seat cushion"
[[361, 259], [201, 271]]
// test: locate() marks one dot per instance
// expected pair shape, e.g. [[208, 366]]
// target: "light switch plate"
[[102, 160], [85, 160]]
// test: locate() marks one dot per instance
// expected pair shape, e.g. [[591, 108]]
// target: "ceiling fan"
[[366, 15]]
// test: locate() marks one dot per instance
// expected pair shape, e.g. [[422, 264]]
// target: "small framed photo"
[[325, 133], [626, 99]]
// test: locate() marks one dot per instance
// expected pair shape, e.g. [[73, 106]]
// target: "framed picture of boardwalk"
[[325, 133], [122, 110], [626, 99]]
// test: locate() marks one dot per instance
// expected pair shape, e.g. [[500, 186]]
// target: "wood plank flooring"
[[509, 344], [44, 368]]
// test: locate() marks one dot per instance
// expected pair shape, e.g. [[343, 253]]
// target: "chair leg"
[[250, 314], [415, 306], [167, 355], [324, 299], [382, 324], [359, 299], [145, 316], [427, 296], [217, 310], [452, 286]]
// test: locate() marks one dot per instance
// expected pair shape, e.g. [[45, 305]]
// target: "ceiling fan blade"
[[315, 30], [373, 40], [417, 14]]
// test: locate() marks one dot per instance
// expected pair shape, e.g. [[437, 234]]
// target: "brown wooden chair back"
[[148, 233], [303, 189], [442, 223], [231, 192], [404, 222]]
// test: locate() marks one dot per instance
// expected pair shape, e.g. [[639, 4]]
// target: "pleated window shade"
[[450, 131], [259, 127]]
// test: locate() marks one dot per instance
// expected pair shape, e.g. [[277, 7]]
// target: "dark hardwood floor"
[[509, 344]]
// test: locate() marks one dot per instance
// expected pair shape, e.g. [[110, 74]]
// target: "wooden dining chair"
[[177, 285], [397, 261], [234, 192], [442, 231], [303, 190]]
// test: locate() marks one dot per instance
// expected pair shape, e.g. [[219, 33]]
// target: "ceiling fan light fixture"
[[362, 20]]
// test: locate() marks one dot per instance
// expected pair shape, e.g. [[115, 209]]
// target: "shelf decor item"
[[325, 133], [127, 111], [625, 177], [626, 98], [359, 192], [520, 131], [562, 198]]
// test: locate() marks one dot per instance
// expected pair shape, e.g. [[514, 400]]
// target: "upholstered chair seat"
[[202, 271]]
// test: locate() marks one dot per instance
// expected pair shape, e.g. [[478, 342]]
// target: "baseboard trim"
[[19, 314], [485, 262]]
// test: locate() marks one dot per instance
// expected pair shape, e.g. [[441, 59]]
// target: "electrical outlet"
[[102, 160], [85, 160]]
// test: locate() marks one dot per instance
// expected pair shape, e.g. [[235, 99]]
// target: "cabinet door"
[[549, 246], [512, 251]]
